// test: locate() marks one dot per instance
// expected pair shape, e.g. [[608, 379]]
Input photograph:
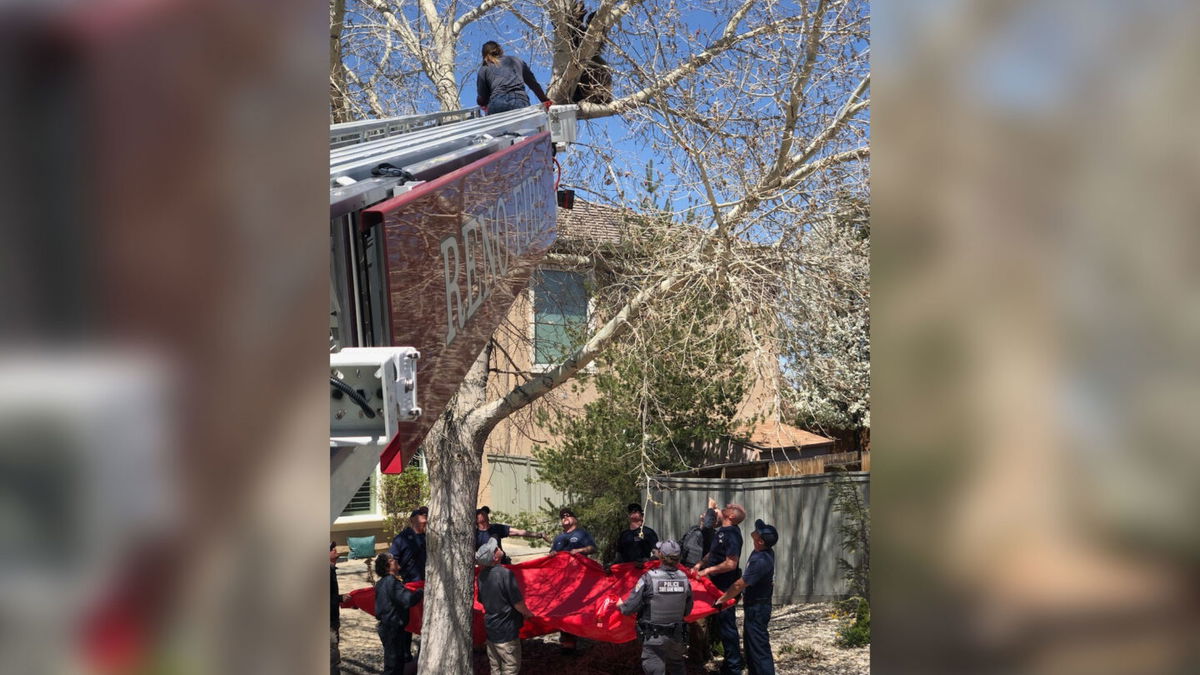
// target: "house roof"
[[595, 223], [775, 434]]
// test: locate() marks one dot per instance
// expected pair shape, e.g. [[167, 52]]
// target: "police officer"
[[758, 582], [637, 543], [662, 599], [721, 565]]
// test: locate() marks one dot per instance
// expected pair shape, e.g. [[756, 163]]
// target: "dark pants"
[[663, 656], [726, 621], [397, 648], [500, 104], [758, 644]]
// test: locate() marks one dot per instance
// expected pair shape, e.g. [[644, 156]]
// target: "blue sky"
[[614, 134]]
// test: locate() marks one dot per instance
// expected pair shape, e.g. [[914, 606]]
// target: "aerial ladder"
[[436, 223]]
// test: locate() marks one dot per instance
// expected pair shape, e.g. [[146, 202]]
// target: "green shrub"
[[857, 632], [400, 494]]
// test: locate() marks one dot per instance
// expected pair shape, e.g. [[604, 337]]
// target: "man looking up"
[[574, 539], [504, 609], [636, 544], [758, 582], [721, 565], [485, 529]]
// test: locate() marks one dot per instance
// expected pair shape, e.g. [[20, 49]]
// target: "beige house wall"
[[519, 434]]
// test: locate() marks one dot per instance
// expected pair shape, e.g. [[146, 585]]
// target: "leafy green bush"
[[400, 494], [857, 632]]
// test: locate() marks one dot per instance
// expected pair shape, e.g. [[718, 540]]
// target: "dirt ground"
[[802, 639]]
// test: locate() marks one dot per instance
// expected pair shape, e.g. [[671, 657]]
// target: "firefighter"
[[574, 539], [758, 582], [662, 599], [408, 551], [501, 81], [721, 565], [637, 543], [485, 529]]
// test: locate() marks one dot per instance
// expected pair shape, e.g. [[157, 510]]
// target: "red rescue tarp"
[[567, 592]]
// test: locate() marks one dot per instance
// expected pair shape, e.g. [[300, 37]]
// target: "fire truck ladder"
[[372, 382]]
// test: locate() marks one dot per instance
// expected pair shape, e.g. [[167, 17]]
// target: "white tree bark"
[[454, 454]]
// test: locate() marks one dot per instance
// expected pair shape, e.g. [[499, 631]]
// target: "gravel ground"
[[802, 638]]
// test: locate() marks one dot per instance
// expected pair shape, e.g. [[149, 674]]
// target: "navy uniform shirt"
[[408, 548], [759, 578], [495, 531], [568, 541], [727, 542], [636, 545], [506, 78]]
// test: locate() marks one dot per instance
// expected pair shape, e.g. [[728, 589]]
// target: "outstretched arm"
[[532, 82], [634, 602]]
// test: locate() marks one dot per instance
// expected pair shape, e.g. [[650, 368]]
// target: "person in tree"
[[485, 529], [501, 81], [636, 544]]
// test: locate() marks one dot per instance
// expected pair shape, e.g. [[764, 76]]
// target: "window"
[[560, 307], [363, 501]]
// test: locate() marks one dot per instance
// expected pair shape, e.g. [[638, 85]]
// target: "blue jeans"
[[499, 104], [727, 628], [758, 643]]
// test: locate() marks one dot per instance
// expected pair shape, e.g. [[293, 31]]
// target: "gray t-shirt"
[[498, 592], [506, 78]]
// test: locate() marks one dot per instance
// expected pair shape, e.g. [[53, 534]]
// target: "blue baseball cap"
[[769, 534]]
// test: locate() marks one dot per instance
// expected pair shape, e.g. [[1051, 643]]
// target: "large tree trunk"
[[454, 452]]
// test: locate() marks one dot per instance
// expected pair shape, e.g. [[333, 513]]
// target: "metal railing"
[[353, 133]]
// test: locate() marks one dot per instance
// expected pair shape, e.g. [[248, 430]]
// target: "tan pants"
[[505, 657]]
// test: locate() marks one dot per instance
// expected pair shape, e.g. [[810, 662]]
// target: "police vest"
[[667, 591]]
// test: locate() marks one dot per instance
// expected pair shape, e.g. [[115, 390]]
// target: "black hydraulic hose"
[[354, 395]]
